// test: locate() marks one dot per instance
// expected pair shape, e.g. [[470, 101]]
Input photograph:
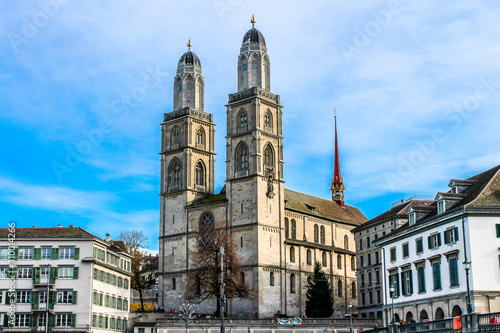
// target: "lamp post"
[[467, 264], [350, 315], [391, 290]]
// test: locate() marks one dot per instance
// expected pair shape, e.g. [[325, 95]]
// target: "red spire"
[[337, 187]]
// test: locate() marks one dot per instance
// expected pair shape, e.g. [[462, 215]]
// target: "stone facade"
[[277, 231]]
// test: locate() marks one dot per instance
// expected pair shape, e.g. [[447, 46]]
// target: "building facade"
[[425, 257], [65, 278], [370, 264], [280, 233]]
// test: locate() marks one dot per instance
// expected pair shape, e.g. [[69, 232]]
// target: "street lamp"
[[391, 290], [350, 314], [467, 265]]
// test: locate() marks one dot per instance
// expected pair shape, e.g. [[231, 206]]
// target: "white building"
[[424, 258], [87, 280]]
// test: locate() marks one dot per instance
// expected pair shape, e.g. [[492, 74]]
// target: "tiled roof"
[[322, 208], [59, 232]]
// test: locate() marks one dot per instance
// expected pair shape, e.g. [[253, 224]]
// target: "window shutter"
[[429, 240], [75, 273], [37, 253], [52, 300], [33, 322], [35, 299], [74, 297], [10, 323], [77, 253], [456, 233], [446, 237], [397, 285], [410, 274], [55, 253], [73, 320], [36, 275], [5, 320], [439, 239], [52, 320], [498, 230], [16, 251], [13, 272]]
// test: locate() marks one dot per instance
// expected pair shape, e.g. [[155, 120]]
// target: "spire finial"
[[337, 187], [253, 21], [189, 44], [335, 113]]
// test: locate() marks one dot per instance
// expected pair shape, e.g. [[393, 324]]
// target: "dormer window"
[[311, 208], [412, 218], [441, 206], [454, 190]]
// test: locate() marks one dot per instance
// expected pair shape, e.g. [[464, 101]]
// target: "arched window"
[[271, 278], [199, 174], [206, 228], [316, 233], [353, 290], [292, 283], [176, 135], [287, 229], [268, 156], [339, 261], [200, 136], [175, 172], [173, 284], [242, 157], [309, 257], [353, 263], [293, 230], [268, 119], [322, 234], [242, 277], [292, 254], [339, 288], [346, 242], [325, 259], [243, 118]]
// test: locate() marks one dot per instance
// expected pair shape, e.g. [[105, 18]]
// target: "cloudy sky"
[[415, 83]]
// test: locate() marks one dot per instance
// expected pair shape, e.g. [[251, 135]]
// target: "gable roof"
[[57, 232], [323, 208]]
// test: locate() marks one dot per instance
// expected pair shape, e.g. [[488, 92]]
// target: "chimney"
[[71, 225], [59, 225], [107, 237], [34, 226]]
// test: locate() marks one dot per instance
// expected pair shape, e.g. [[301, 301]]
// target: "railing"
[[443, 325], [174, 188], [242, 173], [379, 330], [489, 322]]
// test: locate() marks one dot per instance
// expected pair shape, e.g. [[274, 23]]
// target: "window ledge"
[[439, 289], [422, 292]]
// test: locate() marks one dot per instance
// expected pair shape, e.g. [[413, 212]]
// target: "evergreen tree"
[[319, 301]]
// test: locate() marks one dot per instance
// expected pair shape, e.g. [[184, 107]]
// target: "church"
[[280, 233]]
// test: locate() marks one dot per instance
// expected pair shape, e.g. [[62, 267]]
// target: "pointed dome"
[[189, 59], [254, 36]]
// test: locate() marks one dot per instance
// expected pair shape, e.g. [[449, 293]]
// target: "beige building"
[[86, 278], [280, 233]]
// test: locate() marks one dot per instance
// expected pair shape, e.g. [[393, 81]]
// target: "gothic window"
[[173, 284], [242, 157], [176, 135], [287, 231], [206, 228], [268, 156], [292, 284], [325, 259], [292, 254], [293, 230], [200, 136], [353, 290], [339, 288], [174, 173], [271, 278], [309, 256], [322, 234], [199, 174], [316, 233], [339, 261], [255, 65], [268, 119], [243, 118], [353, 263], [346, 242], [242, 277]]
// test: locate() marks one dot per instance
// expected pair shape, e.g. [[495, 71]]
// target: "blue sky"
[[415, 83]]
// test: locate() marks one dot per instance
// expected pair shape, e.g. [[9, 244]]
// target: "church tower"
[[337, 187], [187, 167], [254, 170]]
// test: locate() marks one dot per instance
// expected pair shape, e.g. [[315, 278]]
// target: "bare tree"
[[144, 272], [134, 240], [204, 281]]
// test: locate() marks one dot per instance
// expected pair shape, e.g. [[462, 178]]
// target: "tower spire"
[[337, 187]]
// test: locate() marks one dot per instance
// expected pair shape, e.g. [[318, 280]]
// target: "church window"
[[287, 229], [325, 259], [316, 233], [346, 242], [173, 284], [242, 277], [199, 174], [173, 219], [175, 173], [270, 208], [268, 156], [339, 261], [180, 87], [293, 229], [242, 157], [339, 288], [176, 135], [173, 251], [200, 136], [271, 278], [241, 241], [309, 256], [270, 241], [353, 263], [322, 235], [255, 65], [292, 284], [353, 290], [268, 119], [245, 67], [206, 228], [243, 118], [292, 254], [241, 208]]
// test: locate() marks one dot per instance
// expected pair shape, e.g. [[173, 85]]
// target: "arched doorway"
[[409, 316], [439, 314], [396, 317], [456, 311], [423, 316]]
